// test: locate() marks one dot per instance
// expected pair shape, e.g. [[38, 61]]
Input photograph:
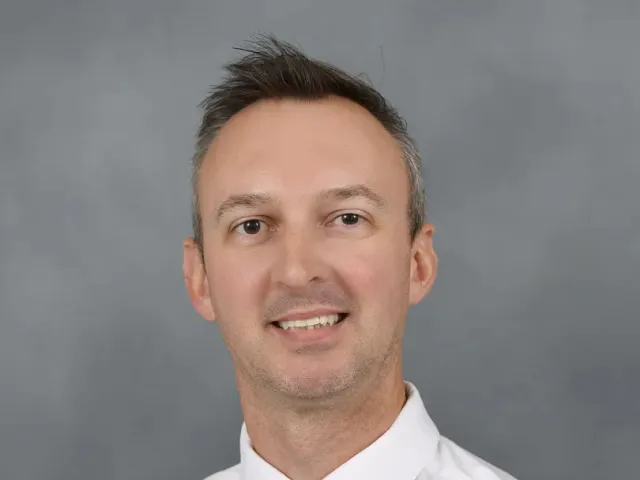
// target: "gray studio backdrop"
[[528, 115]]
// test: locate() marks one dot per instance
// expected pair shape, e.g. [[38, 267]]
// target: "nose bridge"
[[297, 261]]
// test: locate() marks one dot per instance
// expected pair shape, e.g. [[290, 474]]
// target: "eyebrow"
[[354, 191], [252, 200], [247, 200]]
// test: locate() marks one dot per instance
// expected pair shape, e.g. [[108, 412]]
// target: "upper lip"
[[306, 314]]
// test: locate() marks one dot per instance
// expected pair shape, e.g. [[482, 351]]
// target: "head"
[[307, 201]]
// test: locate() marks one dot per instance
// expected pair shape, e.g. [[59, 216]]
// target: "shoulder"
[[476, 468], [232, 473]]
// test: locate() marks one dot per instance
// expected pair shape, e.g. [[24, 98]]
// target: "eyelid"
[[234, 226], [333, 217], [360, 214]]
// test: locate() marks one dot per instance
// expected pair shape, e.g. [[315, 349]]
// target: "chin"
[[317, 386]]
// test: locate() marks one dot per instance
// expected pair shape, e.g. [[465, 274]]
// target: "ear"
[[195, 279], [424, 264]]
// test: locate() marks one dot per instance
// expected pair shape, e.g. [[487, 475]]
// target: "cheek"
[[377, 274], [235, 286]]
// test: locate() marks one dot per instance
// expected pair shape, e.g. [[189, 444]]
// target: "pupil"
[[350, 218], [251, 226]]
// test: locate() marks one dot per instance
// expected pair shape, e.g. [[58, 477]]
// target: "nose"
[[298, 259]]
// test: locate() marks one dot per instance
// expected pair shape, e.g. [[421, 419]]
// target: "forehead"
[[296, 148]]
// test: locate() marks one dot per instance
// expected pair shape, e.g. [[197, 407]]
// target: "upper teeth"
[[310, 323]]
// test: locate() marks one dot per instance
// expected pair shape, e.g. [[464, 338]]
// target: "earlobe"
[[424, 265], [195, 279]]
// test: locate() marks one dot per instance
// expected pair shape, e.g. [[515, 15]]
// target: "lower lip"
[[303, 336]]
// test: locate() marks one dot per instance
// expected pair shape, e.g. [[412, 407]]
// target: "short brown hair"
[[272, 70]]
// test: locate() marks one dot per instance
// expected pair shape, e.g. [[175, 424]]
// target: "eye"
[[250, 227], [349, 218]]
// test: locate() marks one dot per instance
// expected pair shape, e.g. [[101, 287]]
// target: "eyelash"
[[244, 222]]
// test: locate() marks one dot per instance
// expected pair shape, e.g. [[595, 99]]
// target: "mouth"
[[311, 323]]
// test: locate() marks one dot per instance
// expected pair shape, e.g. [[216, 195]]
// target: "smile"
[[311, 323]]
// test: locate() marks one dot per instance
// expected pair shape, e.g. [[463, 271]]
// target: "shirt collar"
[[402, 452]]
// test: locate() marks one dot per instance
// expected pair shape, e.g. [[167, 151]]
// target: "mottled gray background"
[[528, 114]]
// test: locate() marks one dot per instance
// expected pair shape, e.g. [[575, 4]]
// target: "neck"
[[309, 442]]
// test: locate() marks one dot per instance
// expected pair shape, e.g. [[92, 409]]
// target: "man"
[[310, 244]]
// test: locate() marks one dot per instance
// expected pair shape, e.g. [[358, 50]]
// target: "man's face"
[[304, 215]]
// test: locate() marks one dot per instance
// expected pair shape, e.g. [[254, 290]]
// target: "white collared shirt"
[[412, 449]]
